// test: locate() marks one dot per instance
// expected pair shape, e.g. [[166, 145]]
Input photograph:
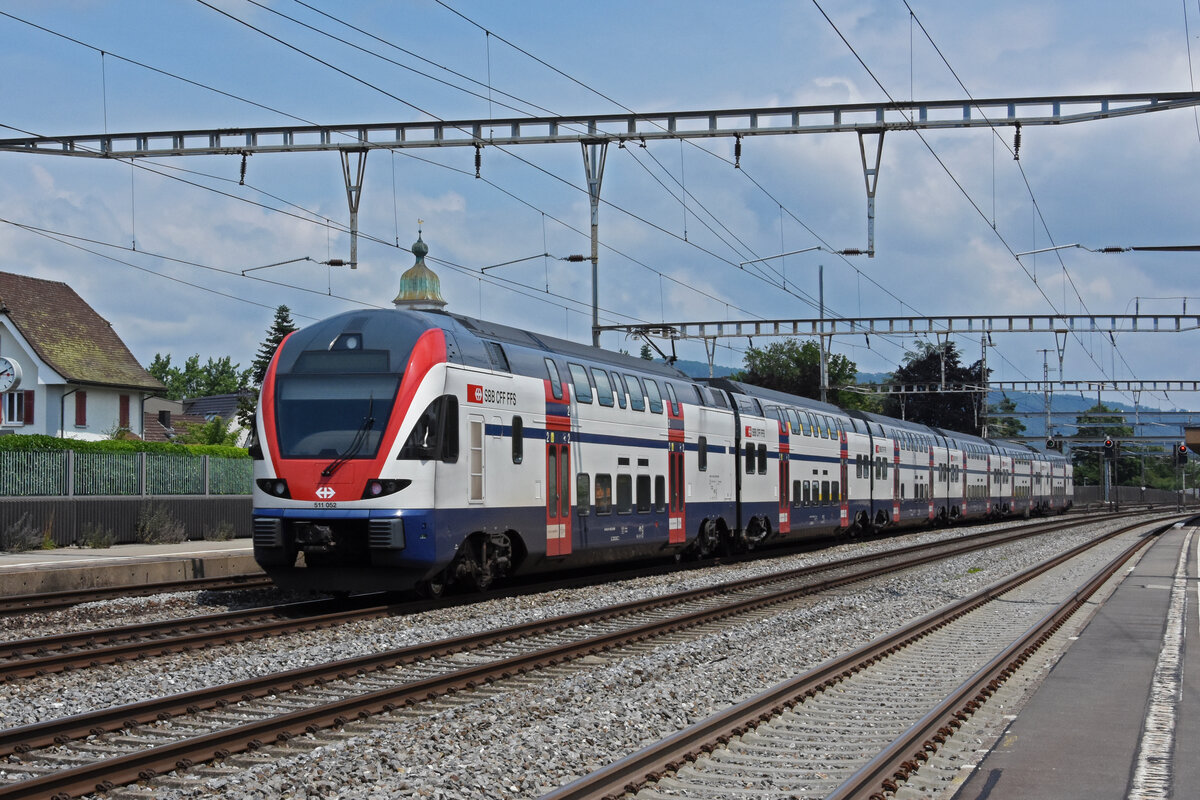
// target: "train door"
[[929, 484], [558, 493], [844, 506], [475, 441], [785, 480], [896, 479]]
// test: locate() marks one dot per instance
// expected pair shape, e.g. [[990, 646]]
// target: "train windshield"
[[322, 412]]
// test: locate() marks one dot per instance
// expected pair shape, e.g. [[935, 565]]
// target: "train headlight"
[[382, 487], [274, 486]]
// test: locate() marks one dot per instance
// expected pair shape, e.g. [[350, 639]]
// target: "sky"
[[161, 247]]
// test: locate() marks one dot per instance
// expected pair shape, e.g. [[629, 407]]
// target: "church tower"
[[420, 288]]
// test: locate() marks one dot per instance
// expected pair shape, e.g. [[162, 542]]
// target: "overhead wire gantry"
[[594, 132]]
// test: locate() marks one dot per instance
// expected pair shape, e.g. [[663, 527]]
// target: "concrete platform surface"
[[1119, 714], [68, 568]]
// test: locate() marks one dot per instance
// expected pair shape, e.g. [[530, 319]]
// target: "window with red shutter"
[[29, 398], [124, 423], [80, 409]]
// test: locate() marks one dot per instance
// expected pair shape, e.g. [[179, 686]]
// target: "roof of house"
[[224, 406], [69, 335], [154, 431]]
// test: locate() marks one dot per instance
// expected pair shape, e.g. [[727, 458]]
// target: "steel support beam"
[[594, 154], [743, 122], [913, 326]]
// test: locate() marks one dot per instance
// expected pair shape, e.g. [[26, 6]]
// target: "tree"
[[955, 411], [217, 376], [215, 431], [795, 367], [1001, 426], [281, 326], [646, 353]]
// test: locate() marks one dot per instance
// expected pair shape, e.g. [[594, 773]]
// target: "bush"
[[223, 532], [157, 525], [36, 442], [21, 535], [97, 537]]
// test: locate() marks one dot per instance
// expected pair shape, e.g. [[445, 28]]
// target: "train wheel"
[[433, 588], [709, 539], [758, 530]]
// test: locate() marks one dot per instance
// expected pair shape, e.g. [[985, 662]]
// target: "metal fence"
[[66, 473]]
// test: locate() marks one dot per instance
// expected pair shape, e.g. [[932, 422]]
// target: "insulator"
[[1017, 143], [336, 262], [737, 152], [242, 179], [576, 257], [478, 159]]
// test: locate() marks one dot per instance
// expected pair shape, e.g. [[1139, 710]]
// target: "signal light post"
[[1111, 492], [1181, 459]]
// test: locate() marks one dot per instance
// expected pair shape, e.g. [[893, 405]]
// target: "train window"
[[618, 389], [749, 458], [552, 479], [643, 462], [660, 493], [796, 496], [624, 494], [807, 493], [718, 397], [699, 395], [794, 421], [604, 393], [496, 355], [583, 493], [652, 391], [604, 494], [637, 400], [902, 487], [702, 453], [824, 491], [643, 493], [762, 459], [583, 389], [518, 440], [435, 436], [809, 428], [555, 380], [676, 409], [835, 492]]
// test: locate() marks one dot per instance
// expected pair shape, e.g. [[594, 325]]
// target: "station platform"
[[1118, 716], [67, 568]]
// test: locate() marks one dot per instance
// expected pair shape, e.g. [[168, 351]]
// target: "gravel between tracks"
[[523, 741]]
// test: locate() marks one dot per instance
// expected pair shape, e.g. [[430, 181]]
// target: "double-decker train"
[[419, 449]]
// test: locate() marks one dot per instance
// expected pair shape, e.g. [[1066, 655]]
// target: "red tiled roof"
[[153, 430], [69, 335]]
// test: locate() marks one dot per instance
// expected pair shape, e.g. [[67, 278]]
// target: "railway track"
[[83, 649], [46, 601], [859, 726], [157, 736]]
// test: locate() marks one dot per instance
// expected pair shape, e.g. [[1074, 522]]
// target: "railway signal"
[[1181, 454], [1110, 448]]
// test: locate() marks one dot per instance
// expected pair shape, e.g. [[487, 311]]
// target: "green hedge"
[[40, 442]]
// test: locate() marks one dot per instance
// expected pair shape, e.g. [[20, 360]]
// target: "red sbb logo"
[[749, 432], [474, 393]]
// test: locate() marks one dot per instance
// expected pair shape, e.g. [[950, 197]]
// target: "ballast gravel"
[[523, 740]]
